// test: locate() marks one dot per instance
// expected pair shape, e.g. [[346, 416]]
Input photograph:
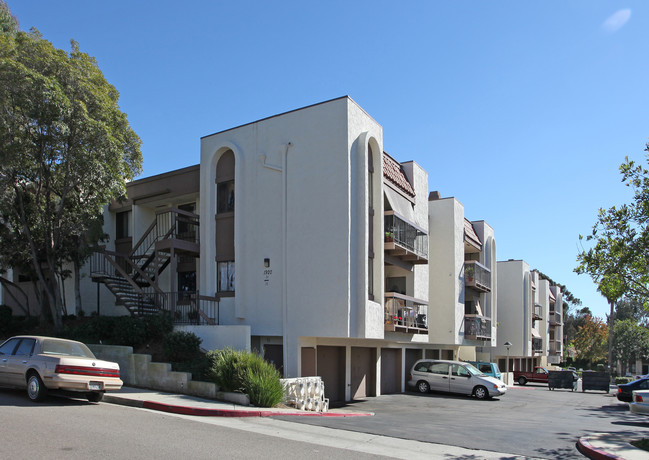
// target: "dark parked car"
[[625, 391]]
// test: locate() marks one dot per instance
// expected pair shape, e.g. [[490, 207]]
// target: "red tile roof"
[[470, 234], [393, 172]]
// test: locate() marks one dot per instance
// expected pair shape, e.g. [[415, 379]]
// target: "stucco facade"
[[530, 318], [298, 236], [462, 280]]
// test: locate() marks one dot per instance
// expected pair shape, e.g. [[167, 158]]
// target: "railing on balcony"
[[477, 276], [169, 223], [404, 240], [477, 327], [537, 345], [189, 307], [555, 318], [405, 314], [536, 315]]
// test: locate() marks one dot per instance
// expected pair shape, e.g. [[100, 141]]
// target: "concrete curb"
[[592, 452], [206, 412]]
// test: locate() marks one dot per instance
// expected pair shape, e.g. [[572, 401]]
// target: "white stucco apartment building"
[[530, 318], [299, 237], [462, 280]]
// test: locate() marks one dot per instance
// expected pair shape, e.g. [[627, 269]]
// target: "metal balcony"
[[477, 327], [405, 314], [404, 240], [477, 276], [555, 318]]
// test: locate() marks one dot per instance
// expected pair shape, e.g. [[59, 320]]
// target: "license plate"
[[94, 386]]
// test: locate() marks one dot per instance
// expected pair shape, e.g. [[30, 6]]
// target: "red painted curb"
[[203, 412], [589, 451]]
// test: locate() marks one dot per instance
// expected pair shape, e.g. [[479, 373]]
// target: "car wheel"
[[522, 381], [94, 396], [35, 388], [423, 387], [480, 392]]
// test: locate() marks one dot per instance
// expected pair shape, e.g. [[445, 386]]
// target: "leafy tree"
[[618, 261], [631, 342], [591, 340], [66, 150], [573, 321], [631, 309], [8, 23]]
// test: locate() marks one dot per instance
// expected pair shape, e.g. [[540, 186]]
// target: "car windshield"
[[63, 348], [473, 370]]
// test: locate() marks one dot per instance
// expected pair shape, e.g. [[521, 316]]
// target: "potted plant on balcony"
[[389, 237], [469, 273]]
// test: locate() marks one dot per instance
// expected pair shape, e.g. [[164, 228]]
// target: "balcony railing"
[[404, 240], [189, 307], [536, 315], [537, 345], [555, 318], [405, 314], [477, 276], [477, 327], [171, 223]]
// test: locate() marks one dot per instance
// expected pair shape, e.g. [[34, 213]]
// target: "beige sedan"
[[39, 364]]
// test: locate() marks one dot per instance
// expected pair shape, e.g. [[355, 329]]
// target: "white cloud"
[[617, 20]]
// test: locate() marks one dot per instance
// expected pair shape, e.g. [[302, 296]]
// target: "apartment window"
[[122, 220], [224, 235], [225, 197], [370, 223], [396, 284], [225, 275]]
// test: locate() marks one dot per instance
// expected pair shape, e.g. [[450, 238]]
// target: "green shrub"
[[120, 330], [224, 368], [198, 366], [158, 326], [263, 386], [181, 346], [623, 380], [128, 331], [248, 373]]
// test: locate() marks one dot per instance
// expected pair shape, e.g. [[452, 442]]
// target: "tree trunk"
[[77, 288], [611, 322]]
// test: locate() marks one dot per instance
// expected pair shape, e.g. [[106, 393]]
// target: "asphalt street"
[[529, 421], [62, 428]]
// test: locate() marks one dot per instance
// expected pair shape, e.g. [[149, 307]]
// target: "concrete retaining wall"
[[139, 371]]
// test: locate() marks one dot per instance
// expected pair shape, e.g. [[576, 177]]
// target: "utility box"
[[562, 379], [595, 381]]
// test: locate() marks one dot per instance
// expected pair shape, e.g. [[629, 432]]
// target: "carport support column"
[[348, 373], [378, 371], [403, 370]]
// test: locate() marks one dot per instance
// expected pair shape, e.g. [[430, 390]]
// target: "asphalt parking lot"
[[529, 420]]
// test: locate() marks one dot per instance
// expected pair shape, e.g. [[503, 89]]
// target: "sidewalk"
[[190, 405], [609, 446]]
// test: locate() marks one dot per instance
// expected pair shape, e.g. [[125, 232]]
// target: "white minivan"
[[454, 377]]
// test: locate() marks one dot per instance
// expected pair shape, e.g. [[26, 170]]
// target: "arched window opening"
[[225, 223]]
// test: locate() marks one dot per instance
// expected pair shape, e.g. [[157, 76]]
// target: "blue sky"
[[521, 110]]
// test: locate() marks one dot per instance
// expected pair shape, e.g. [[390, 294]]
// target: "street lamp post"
[[507, 345]]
